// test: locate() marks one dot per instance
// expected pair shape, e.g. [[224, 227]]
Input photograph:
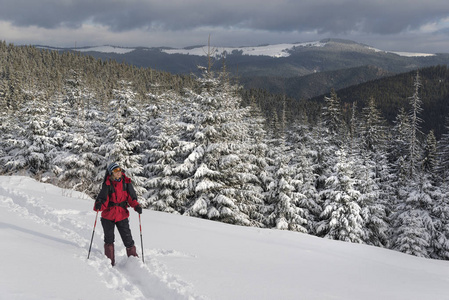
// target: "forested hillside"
[[300, 71], [392, 93], [312, 85], [195, 146]]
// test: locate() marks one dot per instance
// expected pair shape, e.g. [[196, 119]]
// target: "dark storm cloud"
[[323, 16]]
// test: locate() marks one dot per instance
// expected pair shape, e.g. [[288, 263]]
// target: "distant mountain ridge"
[[299, 70], [272, 50]]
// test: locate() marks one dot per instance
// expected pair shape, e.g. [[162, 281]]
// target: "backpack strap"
[[123, 204]]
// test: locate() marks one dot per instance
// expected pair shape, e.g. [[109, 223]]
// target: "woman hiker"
[[117, 193]]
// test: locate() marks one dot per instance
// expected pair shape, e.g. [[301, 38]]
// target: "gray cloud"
[[291, 17], [384, 17]]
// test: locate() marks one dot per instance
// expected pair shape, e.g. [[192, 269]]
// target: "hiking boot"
[[109, 252], [131, 251]]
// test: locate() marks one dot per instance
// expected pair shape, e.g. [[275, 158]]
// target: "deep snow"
[[45, 233]]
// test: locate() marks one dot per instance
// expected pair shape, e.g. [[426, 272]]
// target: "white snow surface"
[[411, 54], [46, 231], [278, 50], [403, 53], [106, 49]]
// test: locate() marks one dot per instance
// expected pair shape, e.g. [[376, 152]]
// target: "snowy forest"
[[192, 148]]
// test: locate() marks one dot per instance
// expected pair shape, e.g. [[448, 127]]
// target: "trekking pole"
[[95, 224], [141, 239]]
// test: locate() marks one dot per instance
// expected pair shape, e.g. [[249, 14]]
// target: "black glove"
[[138, 209], [98, 205]]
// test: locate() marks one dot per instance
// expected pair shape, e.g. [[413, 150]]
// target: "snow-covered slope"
[[45, 233], [278, 50], [275, 50], [106, 49], [101, 49]]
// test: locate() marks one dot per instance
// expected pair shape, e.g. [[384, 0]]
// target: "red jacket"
[[116, 197]]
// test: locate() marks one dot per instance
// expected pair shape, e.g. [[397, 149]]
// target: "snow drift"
[[46, 231]]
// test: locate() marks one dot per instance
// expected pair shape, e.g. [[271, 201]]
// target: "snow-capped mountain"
[[280, 60], [275, 50], [272, 66]]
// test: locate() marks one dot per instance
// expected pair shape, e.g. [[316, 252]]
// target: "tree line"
[[194, 146], [391, 94]]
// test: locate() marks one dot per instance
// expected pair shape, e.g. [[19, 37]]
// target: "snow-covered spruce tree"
[[254, 175], [149, 119], [440, 240], [329, 134], [374, 138], [61, 123], [7, 121], [372, 203], [121, 144], [332, 118], [439, 244], [303, 176], [414, 146], [398, 149], [3, 91], [31, 149], [14, 93], [373, 175], [80, 164], [439, 208], [166, 190], [342, 217], [214, 168], [76, 164], [13, 143], [412, 221], [442, 168], [64, 120], [429, 159], [283, 200]]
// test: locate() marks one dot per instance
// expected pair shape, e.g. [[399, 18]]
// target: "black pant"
[[123, 229]]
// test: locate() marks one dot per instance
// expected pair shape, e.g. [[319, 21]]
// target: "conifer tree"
[[215, 164], [332, 118], [331, 134], [373, 175], [32, 149], [283, 201], [342, 216], [254, 174], [399, 148], [415, 129], [166, 189], [429, 159], [412, 220], [304, 179], [121, 144], [439, 244], [78, 163], [442, 167]]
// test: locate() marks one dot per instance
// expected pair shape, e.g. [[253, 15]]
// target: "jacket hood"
[[107, 179]]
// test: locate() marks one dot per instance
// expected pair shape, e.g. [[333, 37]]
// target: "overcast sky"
[[396, 25]]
